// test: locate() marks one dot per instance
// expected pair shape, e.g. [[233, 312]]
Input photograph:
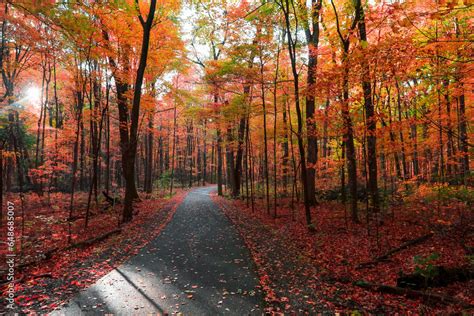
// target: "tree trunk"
[[286, 151], [462, 119], [149, 156], [265, 140], [129, 149], [204, 154], [294, 68], [173, 152], [219, 156], [275, 110], [312, 38], [371, 120], [349, 140]]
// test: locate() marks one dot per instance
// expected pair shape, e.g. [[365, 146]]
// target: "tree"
[[129, 147], [371, 120], [348, 137], [312, 39], [292, 44]]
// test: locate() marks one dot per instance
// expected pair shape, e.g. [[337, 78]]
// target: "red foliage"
[[79, 267], [335, 250]]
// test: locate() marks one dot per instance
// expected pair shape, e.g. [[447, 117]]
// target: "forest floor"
[[313, 272], [297, 271], [47, 273]]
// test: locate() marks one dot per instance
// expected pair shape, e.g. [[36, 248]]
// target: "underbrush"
[[341, 249]]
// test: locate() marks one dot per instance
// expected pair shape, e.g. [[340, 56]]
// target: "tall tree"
[[129, 148], [288, 9], [312, 39], [348, 135], [370, 117]]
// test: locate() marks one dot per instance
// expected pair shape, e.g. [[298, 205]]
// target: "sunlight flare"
[[33, 95]]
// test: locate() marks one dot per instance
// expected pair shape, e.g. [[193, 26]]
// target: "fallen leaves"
[[302, 272], [80, 267]]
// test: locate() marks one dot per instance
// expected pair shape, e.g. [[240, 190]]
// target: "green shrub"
[[164, 181], [425, 265]]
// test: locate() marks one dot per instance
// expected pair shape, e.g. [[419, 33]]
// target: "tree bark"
[[129, 149], [312, 38], [370, 118], [348, 135], [149, 155], [292, 52]]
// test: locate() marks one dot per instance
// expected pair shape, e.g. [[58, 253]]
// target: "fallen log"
[[442, 276], [414, 294], [91, 241], [403, 246], [43, 275], [48, 254], [75, 218], [44, 256]]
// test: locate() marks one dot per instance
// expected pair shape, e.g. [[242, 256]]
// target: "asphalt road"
[[198, 265]]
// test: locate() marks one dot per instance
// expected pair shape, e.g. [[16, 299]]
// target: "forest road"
[[198, 265]]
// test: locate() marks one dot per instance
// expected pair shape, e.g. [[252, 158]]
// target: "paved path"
[[198, 265]]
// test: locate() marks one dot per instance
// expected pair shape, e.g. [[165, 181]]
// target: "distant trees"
[[284, 101], [87, 54], [372, 108]]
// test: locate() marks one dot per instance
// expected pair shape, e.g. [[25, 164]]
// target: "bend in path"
[[198, 265]]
